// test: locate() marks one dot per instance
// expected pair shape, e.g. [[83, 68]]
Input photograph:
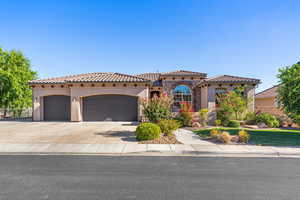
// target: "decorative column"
[[37, 108], [250, 94], [211, 104], [76, 115]]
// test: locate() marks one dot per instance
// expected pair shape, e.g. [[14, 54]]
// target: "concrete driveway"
[[67, 132]]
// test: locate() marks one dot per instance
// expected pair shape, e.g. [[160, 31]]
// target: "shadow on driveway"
[[127, 136]]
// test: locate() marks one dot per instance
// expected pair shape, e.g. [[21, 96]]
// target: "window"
[[181, 93]]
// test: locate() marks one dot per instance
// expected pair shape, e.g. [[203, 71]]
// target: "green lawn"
[[272, 137]]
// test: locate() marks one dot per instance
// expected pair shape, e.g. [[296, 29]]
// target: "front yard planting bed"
[[270, 137], [162, 140]]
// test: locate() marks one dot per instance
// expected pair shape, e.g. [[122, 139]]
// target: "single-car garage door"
[[57, 108], [110, 108]]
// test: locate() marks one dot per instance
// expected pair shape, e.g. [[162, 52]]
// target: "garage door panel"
[[57, 108], [110, 108]]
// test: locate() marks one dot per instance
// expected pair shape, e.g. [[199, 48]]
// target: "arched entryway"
[[110, 108]]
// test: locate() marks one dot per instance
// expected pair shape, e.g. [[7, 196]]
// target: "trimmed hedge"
[[147, 131], [233, 123], [168, 125]]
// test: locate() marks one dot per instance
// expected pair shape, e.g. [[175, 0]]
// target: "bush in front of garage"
[[147, 131]]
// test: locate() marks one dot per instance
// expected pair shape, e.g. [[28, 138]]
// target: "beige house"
[[265, 101], [116, 97]]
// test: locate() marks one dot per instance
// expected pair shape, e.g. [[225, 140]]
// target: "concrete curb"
[[148, 149], [162, 153]]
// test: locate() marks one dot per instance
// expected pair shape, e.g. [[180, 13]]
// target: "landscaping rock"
[[235, 138], [262, 125]]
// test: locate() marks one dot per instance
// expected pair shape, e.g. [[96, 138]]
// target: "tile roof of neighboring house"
[[91, 77], [230, 79], [270, 92], [183, 73]]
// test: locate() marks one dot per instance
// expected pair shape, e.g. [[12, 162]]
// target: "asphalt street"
[[177, 178]]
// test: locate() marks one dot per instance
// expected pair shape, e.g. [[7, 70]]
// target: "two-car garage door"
[[95, 108], [110, 108]]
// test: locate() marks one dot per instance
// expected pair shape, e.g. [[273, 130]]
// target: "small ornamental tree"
[[289, 90], [233, 104], [157, 108]]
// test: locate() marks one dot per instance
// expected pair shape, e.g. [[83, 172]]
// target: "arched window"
[[181, 93]]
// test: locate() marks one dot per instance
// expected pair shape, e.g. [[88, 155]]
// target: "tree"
[[289, 90], [15, 72], [233, 103]]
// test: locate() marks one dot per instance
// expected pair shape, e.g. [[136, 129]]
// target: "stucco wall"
[[267, 105], [77, 92]]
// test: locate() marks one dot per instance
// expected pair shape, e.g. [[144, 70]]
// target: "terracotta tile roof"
[[153, 77], [149, 76], [91, 77], [230, 79], [270, 92], [183, 73]]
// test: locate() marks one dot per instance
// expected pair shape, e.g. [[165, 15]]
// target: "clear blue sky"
[[243, 37]]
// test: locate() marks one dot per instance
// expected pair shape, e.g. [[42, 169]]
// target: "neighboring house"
[[115, 96], [265, 101]]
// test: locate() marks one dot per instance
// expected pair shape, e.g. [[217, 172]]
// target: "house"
[[265, 101], [115, 96]]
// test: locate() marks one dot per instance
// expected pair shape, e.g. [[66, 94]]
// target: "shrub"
[[225, 137], [157, 108], [250, 118], [296, 119], [233, 123], [203, 115], [179, 121], [215, 133], [168, 125], [244, 136], [218, 122], [147, 131], [270, 120]]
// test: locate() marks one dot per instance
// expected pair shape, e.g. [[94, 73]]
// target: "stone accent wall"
[[169, 85], [197, 98], [204, 98]]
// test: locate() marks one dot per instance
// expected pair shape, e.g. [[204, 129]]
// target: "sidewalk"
[[154, 149]]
